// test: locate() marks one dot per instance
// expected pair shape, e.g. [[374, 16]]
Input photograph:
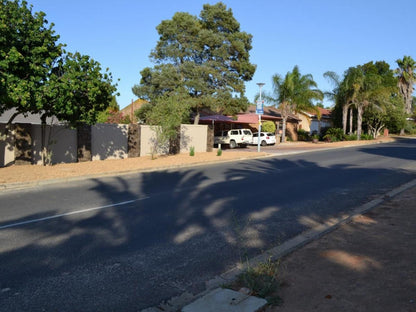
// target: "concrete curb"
[[175, 304]]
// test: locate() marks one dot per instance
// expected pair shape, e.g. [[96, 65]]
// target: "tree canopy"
[[293, 93], [372, 90], [205, 59], [38, 76], [406, 75]]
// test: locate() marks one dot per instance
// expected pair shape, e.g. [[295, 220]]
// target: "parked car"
[[266, 138], [234, 137]]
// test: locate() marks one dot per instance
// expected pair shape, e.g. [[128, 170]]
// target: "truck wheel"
[[233, 144], [263, 143]]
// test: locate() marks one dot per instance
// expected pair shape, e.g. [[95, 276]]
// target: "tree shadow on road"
[[181, 228]]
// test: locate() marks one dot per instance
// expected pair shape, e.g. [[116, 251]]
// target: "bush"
[[303, 135], [263, 280], [192, 151], [366, 137], [334, 135], [351, 137], [268, 126]]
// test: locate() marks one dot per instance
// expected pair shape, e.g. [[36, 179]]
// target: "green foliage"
[[303, 135], [28, 50], [366, 136], [168, 114], [294, 93], [372, 90], [334, 135], [263, 280], [78, 90], [268, 126], [205, 58], [37, 76], [219, 152], [192, 151], [351, 137], [406, 75], [142, 113]]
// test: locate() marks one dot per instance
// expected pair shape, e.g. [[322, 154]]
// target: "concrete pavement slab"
[[226, 300]]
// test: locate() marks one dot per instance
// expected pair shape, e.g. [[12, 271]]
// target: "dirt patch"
[[29, 173], [365, 265]]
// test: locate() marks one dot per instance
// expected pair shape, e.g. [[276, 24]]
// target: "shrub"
[[351, 137], [366, 137], [263, 280], [268, 126], [192, 151], [303, 135], [219, 152], [334, 135]]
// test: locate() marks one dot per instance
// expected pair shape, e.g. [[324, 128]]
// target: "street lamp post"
[[259, 111]]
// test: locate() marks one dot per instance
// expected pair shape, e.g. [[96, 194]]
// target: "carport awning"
[[241, 118]]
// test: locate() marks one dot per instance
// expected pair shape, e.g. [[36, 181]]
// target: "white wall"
[[148, 139], [193, 135], [6, 148]]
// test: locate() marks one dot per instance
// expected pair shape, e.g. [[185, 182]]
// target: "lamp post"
[[259, 111]]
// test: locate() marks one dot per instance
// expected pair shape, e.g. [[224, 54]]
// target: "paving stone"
[[225, 300]]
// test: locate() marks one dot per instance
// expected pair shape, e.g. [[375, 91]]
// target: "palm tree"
[[339, 98], [406, 74], [292, 94]]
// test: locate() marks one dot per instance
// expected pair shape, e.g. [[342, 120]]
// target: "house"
[[250, 119], [310, 122], [131, 108]]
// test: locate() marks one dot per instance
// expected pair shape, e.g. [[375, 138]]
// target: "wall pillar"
[[210, 138], [23, 144], [84, 143], [133, 141]]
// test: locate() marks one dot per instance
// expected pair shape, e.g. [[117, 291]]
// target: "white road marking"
[[69, 213]]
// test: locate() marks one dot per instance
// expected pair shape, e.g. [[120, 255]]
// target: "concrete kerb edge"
[[295, 243]]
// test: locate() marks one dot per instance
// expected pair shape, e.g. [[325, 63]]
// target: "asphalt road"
[[127, 243]]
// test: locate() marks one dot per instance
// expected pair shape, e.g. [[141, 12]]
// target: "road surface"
[[127, 243]]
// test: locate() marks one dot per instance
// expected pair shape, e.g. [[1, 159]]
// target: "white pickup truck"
[[234, 137]]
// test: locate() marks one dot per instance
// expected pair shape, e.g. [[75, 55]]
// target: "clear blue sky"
[[316, 35]]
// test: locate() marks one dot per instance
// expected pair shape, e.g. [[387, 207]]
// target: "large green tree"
[[372, 90], [77, 90], [406, 74], [38, 76], [28, 51], [293, 93], [205, 59]]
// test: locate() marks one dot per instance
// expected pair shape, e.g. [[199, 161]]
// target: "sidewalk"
[[368, 264], [365, 262]]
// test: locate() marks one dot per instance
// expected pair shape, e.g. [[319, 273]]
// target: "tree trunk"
[[284, 130], [359, 120], [43, 139], [196, 119], [351, 119], [344, 117]]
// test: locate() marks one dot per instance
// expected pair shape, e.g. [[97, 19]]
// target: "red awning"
[[241, 118]]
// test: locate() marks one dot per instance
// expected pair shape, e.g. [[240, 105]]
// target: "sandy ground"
[[28, 173], [366, 265]]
